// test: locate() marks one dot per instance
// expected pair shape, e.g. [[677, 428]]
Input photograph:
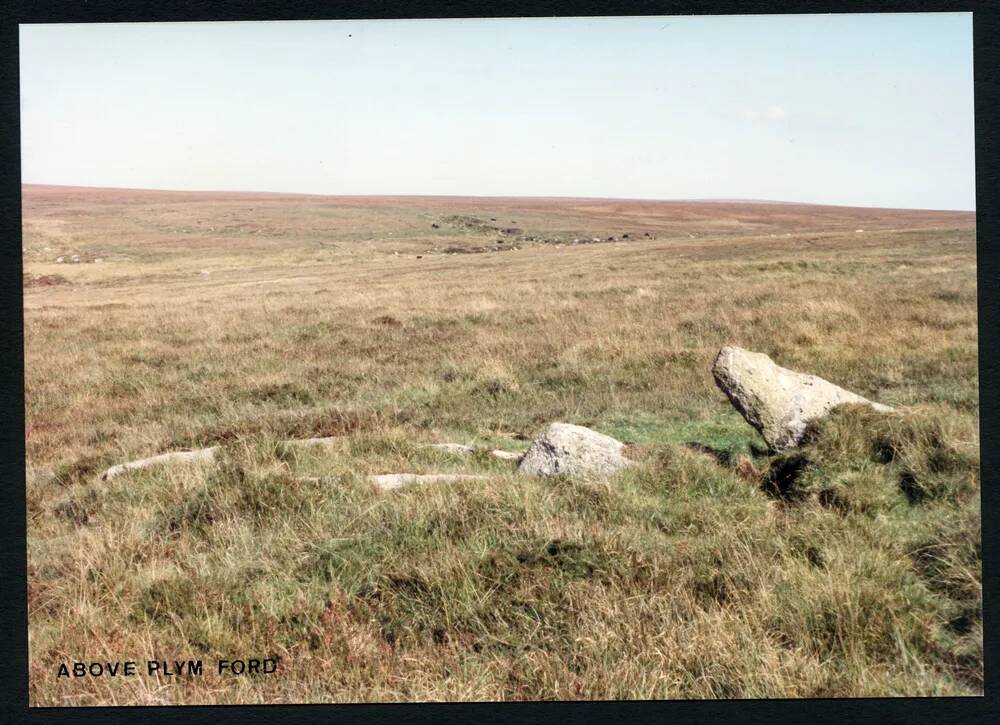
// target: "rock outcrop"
[[776, 401], [573, 450]]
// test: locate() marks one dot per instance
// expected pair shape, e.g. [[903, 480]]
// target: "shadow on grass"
[[728, 456]]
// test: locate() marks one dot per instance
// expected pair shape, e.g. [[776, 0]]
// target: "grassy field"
[[848, 568]]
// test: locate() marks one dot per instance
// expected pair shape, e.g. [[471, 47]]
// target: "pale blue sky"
[[872, 110]]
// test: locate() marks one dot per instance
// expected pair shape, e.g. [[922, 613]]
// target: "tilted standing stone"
[[573, 450], [776, 401]]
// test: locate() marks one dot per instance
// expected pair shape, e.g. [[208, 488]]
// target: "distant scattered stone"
[[506, 455], [573, 450], [776, 401]]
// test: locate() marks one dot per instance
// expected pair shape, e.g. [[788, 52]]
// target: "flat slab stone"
[[393, 481], [202, 455], [199, 456]]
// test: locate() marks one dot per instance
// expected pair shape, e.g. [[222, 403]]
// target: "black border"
[[13, 604]]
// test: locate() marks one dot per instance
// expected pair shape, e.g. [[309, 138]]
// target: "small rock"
[[506, 455], [776, 401], [98, 260], [60, 260], [573, 450]]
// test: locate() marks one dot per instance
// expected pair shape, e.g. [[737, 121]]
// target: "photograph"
[[613, 358]]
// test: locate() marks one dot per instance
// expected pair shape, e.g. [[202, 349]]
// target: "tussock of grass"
[[857, 458]]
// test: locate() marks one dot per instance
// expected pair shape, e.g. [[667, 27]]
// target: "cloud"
[[771, 113]]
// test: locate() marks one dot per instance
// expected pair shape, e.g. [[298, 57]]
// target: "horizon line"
[[705, 200]]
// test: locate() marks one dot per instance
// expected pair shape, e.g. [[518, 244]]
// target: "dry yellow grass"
[[346, 316]]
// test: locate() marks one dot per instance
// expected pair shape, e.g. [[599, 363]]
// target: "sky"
[[866, 110]]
